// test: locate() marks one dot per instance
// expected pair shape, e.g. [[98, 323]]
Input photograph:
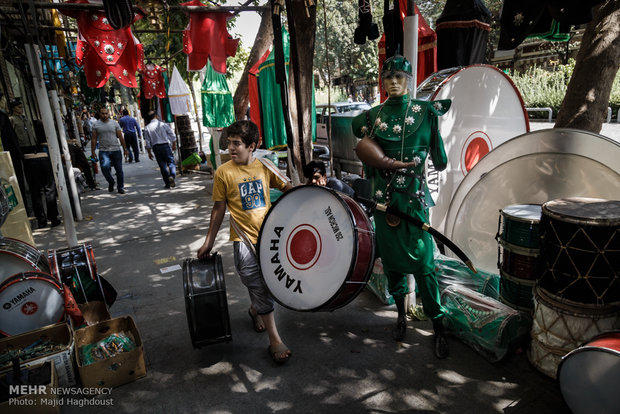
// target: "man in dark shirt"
[[315, 174], [131, 131]]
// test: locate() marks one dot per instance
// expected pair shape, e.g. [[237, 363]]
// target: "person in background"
[[315, 174], [131, 131], [107, 133], [159, 138], [37, 168], [246, 174]]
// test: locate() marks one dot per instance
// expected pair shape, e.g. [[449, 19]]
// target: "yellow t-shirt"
[[245, 188]]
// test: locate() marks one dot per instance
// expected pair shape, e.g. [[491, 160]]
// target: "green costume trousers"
[[427, 286]]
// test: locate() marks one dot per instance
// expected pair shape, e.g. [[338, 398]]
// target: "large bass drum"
[[315, 249], [30, 300], [206, 305], [17, 257], [531, 169], [487, 110]]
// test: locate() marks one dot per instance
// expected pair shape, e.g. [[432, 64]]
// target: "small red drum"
[[76, 268], [589, 376], [30, 300], [518, 261], [17, 257], [315, 249]]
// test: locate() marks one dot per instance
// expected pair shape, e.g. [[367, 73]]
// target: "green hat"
[[396, 63]]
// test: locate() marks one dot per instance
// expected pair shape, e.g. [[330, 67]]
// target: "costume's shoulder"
[[362, 123], [440, 107]]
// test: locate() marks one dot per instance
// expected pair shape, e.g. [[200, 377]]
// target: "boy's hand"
[[204, 251]]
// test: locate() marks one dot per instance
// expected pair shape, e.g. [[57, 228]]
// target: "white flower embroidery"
[[378, 194], [518, 19], [420, 194], [364, 130], [400, 180], [383, 126], [416, 160], [98, 73], [378, 121], [396, 129], [409, 120], [125, 72], [416, 108], [438, 106]]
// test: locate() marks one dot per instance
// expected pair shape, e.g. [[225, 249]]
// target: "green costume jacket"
[[407, 130]]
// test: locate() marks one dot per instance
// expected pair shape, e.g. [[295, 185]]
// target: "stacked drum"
[[518, 253], [578, 294], [30, 297], [186, 136]]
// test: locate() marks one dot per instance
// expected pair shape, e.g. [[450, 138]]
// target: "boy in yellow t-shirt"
[[242, 184]]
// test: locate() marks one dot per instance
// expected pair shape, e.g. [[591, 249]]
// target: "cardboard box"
[[118, 370], [59, 333], [38, 400]]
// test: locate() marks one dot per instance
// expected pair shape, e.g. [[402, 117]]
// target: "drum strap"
[[243, 236], [271, 166]]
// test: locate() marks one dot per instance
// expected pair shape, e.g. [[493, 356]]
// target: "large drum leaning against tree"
[[580, 250], [315, 249]]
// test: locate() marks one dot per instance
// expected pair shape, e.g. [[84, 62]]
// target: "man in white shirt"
[[159, 138]]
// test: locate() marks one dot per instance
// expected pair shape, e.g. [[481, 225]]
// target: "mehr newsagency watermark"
[[52, 397]]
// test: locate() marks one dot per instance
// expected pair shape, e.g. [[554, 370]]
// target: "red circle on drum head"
[[303, 247], [476, 149], [30, 308]]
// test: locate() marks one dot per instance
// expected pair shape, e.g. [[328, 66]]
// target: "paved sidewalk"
[[343, 361]]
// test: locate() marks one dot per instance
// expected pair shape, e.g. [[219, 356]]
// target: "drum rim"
[[520, 250], [572, 308], [567, 218], [355, 245], [517, 280], [521, 219]]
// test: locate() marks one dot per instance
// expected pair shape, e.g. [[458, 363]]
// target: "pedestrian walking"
[[131, 132], [159, 138], [107, 133]]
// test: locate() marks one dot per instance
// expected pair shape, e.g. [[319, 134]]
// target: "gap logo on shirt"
[[252, 195]]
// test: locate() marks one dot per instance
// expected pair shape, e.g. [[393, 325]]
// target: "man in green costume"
[[396, 139]]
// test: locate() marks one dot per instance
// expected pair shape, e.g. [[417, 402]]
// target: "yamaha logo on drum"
[[19, 298]]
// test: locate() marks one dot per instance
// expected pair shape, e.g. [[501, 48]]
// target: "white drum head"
[[589, 379], [29, 303], [306, 247], [523, 212], [530, 169], [487, 110], [11, 264]]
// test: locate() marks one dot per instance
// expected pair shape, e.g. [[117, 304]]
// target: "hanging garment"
[[102, 51], [462, 33], [547, 19], [217, 102], [179, 95], [153, 81], [206, 37]]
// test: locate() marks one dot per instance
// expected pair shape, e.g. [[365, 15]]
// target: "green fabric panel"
[[218, 110], [274, 131], [166, 112]]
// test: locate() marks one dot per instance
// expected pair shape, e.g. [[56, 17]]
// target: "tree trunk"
[[302, 31], [587, 96], [263, 41]]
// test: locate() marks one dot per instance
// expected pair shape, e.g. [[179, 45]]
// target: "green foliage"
[[345, 57], [541, 88]]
